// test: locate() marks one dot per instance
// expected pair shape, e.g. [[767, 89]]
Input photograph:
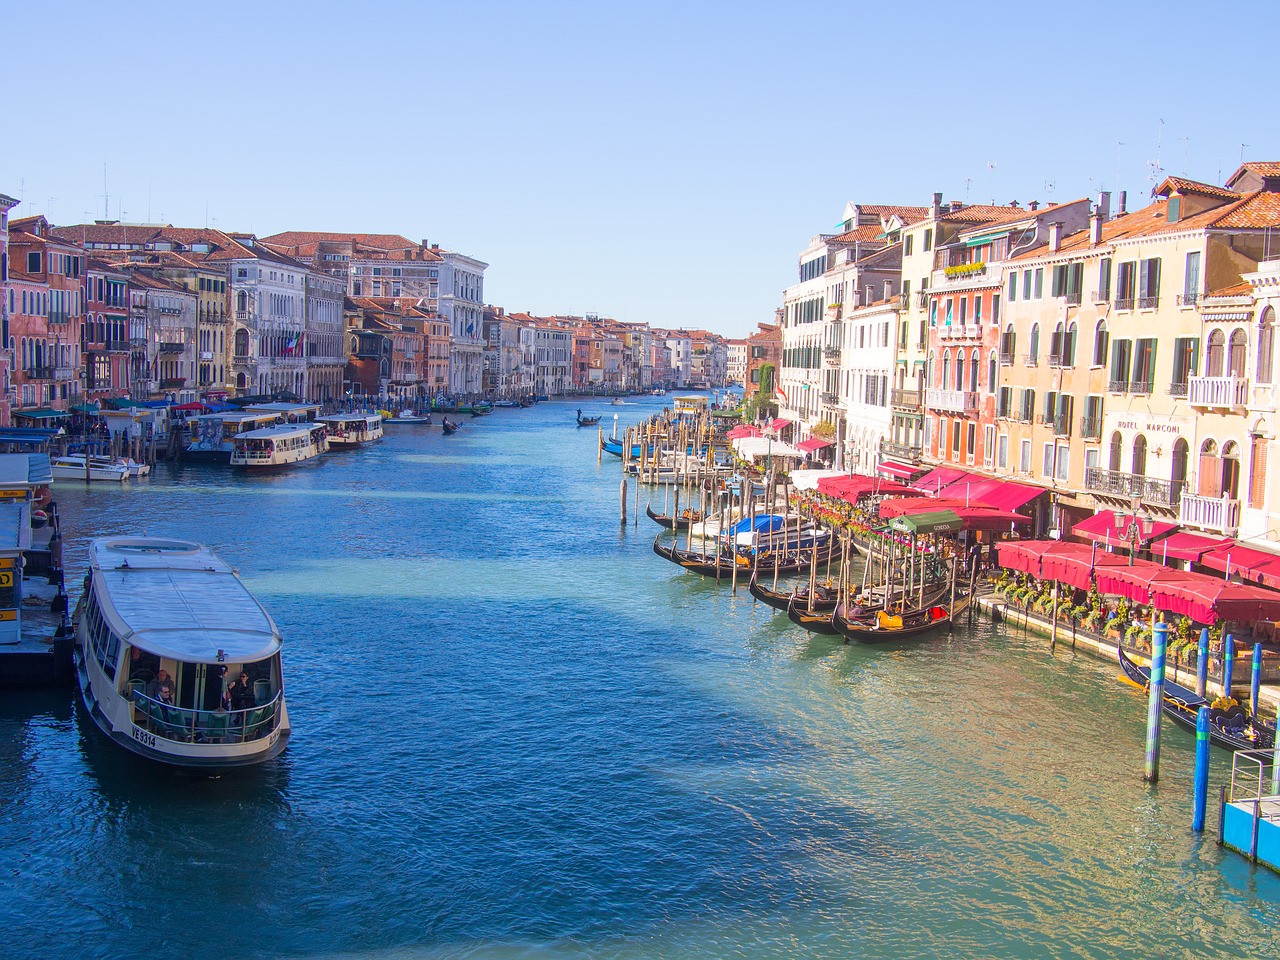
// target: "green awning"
[[42, 414], [936, 521], [84, 408]]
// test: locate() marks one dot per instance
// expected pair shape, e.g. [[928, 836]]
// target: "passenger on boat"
[[166, 694], [162, 680], [241, 693]]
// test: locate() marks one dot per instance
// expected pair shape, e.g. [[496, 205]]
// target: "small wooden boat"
[[1232, 729], [72, 467], [481, 409], [674, 523], [781, 599], [889, 628], [816, 621], [587, 421], [709, 565], [449, 427]]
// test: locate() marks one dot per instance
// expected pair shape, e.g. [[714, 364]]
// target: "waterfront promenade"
[[519, 733]]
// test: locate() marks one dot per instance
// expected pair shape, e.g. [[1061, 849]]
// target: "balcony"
[[1030, 360], [206, 354], [170, 347], [1055, 360], [39, 373], [1219, 514], [1091, 428], [906, 399], [173, 383], [1177, 389], [66, 373], [922, 300], [1073, 298], [830, 398], [137, 343], [1148, 303], [1188, 299], [1118, 386], [902, 451], [1124, 303], [1141, 386], [1223, 392], [1163, 493], [1062, 425], [952, 401], [831, 355]]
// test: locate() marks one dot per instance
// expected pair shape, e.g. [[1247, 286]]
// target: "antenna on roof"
[[991, 170], [1242, 146], [106, 197], [967, 181], [1186, 149]]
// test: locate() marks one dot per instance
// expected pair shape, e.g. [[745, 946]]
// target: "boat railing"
[[1252, 779], [185, 725]]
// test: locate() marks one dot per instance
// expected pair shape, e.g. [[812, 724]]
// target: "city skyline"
[[663, 166]]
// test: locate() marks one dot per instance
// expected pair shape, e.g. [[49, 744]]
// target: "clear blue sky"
[[659, 162]]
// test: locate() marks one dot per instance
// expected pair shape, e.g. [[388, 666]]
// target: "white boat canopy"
[[805, 480], [176, 599], [755, 448]]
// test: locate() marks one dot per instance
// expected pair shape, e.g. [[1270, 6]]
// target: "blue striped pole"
[[1202, 663], [1155, 701], [1228, 664], [1256, 681], [1202, 769]]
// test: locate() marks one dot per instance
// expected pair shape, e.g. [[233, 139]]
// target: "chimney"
[[425, 244], [937, 206], [1033, 205], [1124, 195], [1095, 228], [956, 205], [1055, 236], [1104, 204]]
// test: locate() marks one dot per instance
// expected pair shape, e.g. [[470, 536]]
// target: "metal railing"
[[1118, 386], [1188, 299], [1218, 391], [1141, 386], [1062, 425], [830, 398], [1073, 298], [1124, 303], [903, 451], [957, 401], [170, 347], [1099, 480], [1177, 389], [1211, 513], [1091, 428], [908, 399], [1165, 493], [1031, 359], [1148, 303], [185, 725]]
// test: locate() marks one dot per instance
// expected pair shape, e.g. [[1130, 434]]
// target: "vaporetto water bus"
[[279, 446], [212, 435], [164, 632], [352, 429]]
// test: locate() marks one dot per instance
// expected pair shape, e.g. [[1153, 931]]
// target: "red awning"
[[938, 478], [1024, 555], [1136, 582], [779, 424], [1234, 559], [1102, 528], [812, 444], [1073, 563], [984, 518], [853, 488], [900, 470], [1189, 546], [909, 505], [1208, 599], [190, 406], [744, 430]]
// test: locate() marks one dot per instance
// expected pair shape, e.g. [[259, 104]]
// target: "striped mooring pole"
[[1202, 663], [1202, 770], [1155, 701], [1255, 683], [1228, 664]]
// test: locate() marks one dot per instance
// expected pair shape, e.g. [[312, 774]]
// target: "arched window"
[[991, 373], [1033, 345], [1236, 353], [1214, 354], [1209, 473], [1178, 474], [1069, 346], [1139, 456], [959, 385], [973, 371], [1056, 345], [1266, 344], [1100, 344], [1117, 443], [946, 369], [1230, 469]]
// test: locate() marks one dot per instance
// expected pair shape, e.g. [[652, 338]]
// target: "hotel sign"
[[1152, 425]]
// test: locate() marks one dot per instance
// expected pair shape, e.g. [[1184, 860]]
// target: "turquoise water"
[[518, 733]]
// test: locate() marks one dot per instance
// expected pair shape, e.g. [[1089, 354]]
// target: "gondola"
[[816, 621], [781, 600], [709, 566], [448, 426], [822, 618], [1231, 730], [481, 409], [674, 523], [587, 421], [916, 623]]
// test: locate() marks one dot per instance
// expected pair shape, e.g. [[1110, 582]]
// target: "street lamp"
[[1135, 527]]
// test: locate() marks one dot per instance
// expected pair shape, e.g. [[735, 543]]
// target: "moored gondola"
[[674, 523], [815, 621], [1231, 729], [890, 628], [710, 566]]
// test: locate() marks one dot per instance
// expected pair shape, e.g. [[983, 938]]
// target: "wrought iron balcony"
[[953, 401], [173, 383], [1062, 425], [1073, 298], [906, 399], [1148, 303], [1163, 493], [903, 451], [1031, 360], [1188, 299], [831, 355], [1118, 386], [1124, 303], [1091, 428], [1141, 386], [1177, 389], [1223, 392], [830, 398], [1055, 359], [1221, 514], [39, 373], [170, 347]]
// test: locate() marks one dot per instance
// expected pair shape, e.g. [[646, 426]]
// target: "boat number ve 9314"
[[144, 738]]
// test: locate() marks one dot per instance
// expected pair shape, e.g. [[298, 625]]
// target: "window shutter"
[[1210, 478], [1258, 473]]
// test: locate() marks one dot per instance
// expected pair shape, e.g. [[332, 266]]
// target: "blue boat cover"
[[764, 523]]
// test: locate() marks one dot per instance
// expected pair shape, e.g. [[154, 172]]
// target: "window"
[[1144, 366], [1121, 355], [1039, 282], [1013, 286], [1149, 283], [956, 426], [1024, 457], [1104, 280], [1174, 209], [1047, 465], [972, 439], [1126, 284], [1266, 344], [928, 240], [977, 309], [33, 261], [1091, 425], [1184, 364], [1002, 452], [1064, 463], [995, 308], [1258, 472], [1005, 402], [906, 245], [1008, 343], [1236, 353], [988, 443], [1100, 344], [1191, 280], [1026, 285], [991, 373], [1033, 346], [964, 309], [1059, 281]]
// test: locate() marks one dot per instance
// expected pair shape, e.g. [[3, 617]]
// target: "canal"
[[518, 733]]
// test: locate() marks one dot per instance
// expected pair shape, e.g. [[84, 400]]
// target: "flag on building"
[[782, 393]]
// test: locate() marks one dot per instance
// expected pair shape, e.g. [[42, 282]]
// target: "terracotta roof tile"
[[886, 210], [982, 213], [1183, 185], [1242, 289], [867, 233]]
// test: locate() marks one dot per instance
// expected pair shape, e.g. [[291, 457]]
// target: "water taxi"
[[408, 416], [212, 436], [278, 446], [176, 660], [352, 429], [72, 467]]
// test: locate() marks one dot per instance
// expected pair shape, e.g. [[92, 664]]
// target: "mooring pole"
[[1228, 664], [1202, 769], [1255, 683], [1155, 701], [1202, 663], [624, 501]]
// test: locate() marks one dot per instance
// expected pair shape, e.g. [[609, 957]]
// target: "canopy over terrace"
[[935, 521], [999, 494], [805, 480], [852, 488], [1235, 559], [813, 444], [939, 477], [1103, 527], [755, 448], [744, 430]]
